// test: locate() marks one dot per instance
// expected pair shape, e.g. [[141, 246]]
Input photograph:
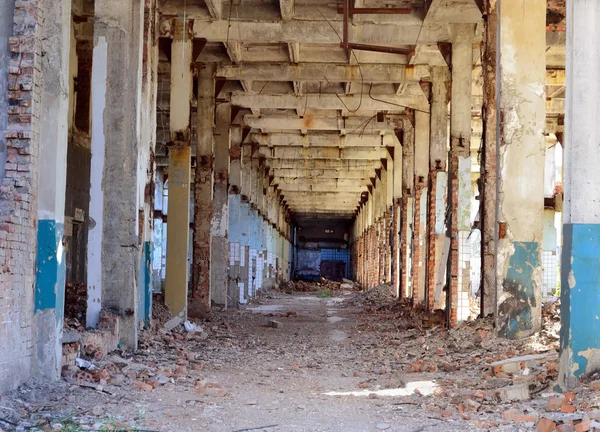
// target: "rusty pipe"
[[378, 48], [346, 19]]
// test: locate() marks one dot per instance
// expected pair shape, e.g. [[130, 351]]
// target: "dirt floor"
[[306, 362]]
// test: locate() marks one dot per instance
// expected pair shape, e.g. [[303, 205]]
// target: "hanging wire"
[[352, 53]]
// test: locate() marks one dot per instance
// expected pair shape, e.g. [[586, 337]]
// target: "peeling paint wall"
[[580, 279], [522, 148]]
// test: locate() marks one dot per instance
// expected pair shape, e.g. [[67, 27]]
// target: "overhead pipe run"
[[347, 11]]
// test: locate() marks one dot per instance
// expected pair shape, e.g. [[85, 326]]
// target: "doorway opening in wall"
[[77, 192], [322, 249]]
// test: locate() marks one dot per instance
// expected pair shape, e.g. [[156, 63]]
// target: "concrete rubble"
[[464, 374]]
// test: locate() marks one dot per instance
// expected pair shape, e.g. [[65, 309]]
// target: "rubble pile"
[[300, 286], [75, 301], [380, 297], [160, 311]]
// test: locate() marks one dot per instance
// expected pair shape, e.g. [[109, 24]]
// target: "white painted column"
[[50, 271], [580, 280]]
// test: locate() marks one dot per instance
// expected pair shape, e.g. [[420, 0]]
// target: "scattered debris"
[[172, 323], [274, 323]]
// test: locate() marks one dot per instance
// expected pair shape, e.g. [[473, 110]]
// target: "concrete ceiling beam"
[[283, 182], [454, 12], [346, 125], [215, 8], [286, 8], [323, 140], [294, 188], [405, 31], [372, 73], [323, 174], [346, 104], [323, 164], [342, 154]]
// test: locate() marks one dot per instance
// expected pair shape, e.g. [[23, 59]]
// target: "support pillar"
[[236, 288], [219, 242], [180, 165], [421, 157], [396, 218], [406, 234], [203, 194], [438, 183], [580, 280], [522, 149], [460, 172], [488, 180], [50, 271], [114, 241]]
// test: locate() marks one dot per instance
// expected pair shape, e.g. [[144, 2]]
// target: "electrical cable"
[[362, 81]]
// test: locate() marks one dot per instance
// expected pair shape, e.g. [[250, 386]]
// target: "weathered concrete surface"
[[50, 271], [219, 243], [488, 203], [176, 292], [180, 165], [203, 193], [580, 283], [118, 24], [459, 162], [522, 148]]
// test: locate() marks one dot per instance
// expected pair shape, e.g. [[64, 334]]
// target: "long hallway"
[[302, 361]]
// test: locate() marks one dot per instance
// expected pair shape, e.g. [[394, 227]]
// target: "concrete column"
[[406, 215], [396, 217], [203, 193], [146, 160], [389, 206], [178, 229], [245, 221], [180, 165], [460, 170], [522, 149], [488, 199], [420, 215], [113, 241], [50, 272], [438, 183], [219, 242], [236, 219], [580, 280]]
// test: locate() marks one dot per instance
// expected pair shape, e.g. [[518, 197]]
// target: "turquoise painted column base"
[[580, 303], [49, 299], [50, 268], [516, 315]]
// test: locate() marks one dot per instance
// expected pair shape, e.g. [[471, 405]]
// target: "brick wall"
[[404, 246], [431, 220], [18, 197], [395, 249], [416, 248], [453, 193]]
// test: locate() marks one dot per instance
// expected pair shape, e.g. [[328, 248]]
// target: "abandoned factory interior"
[[299, 215]]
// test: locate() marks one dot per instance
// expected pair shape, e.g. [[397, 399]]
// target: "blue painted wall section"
[[50, 268], [580, 294], [145, 285], [235, 215], [515, 313]]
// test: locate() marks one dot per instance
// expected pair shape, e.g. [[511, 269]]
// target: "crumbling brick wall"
[[18, 197]]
